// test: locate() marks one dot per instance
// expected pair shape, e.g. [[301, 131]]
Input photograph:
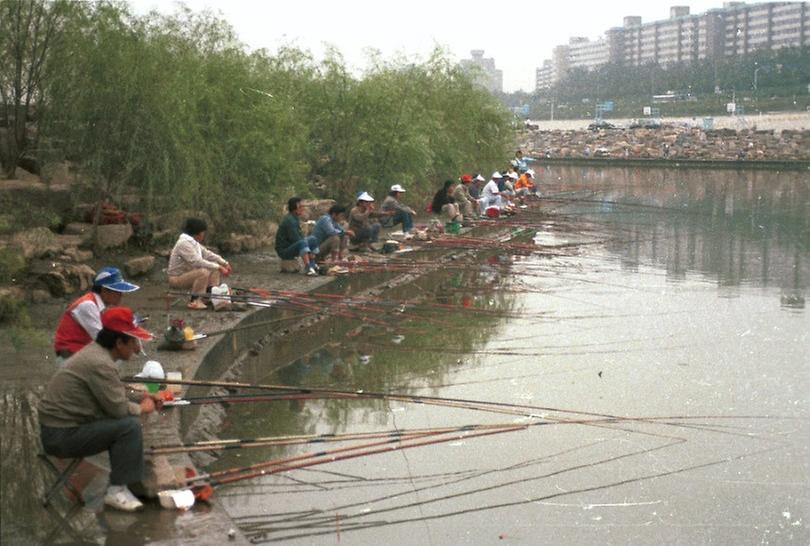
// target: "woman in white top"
[[193, 266]]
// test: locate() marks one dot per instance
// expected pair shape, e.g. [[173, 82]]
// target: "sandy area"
[[777, 121]]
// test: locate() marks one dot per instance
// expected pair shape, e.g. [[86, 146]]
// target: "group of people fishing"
[[87, 409]]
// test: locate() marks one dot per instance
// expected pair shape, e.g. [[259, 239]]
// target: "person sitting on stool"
[[81, 321], [86, 408]]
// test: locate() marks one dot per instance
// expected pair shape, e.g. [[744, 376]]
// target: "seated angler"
[[86, 409], [365, 231], [81, 321], [332, 238], [491, 194], [444, 204], [290, 241], [466, 203], [194, 267], [525, 185], [397, 211]]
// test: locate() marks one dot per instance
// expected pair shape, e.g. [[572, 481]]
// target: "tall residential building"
[[734, 30], [488, 76]]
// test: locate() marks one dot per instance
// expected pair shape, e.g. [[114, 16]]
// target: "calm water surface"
[[673, 298]]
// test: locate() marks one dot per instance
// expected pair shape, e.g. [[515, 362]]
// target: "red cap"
[[466, 178], [121, 319]]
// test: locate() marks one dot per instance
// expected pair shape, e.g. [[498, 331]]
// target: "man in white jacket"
[[193, 266]]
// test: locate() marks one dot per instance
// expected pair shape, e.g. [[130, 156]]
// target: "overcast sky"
[[518, 34]]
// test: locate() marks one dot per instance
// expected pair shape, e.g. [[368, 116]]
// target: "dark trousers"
[[366, 234], [123, 438]]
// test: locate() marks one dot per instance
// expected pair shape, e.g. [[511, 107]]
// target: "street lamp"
[[756, 74]]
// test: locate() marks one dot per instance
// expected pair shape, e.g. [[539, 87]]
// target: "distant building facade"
[[734, 30], [487, 75]]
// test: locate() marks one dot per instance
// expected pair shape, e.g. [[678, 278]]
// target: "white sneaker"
[[121, 498], [311, 272]]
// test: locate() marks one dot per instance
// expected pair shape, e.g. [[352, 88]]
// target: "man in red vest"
[[81, 321]]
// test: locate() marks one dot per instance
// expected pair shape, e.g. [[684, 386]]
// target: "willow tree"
[[29, 31]]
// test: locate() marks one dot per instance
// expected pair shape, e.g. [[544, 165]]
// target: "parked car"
[[645, 123]]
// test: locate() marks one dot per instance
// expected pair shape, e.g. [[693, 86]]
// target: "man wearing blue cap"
[[81, 321]]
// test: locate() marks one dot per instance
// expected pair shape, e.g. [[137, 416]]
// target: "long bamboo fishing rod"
[[210, 445], [373, 394], [260, 469]]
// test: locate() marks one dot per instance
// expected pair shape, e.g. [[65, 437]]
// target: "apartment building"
[[735, 29], [487, 75]]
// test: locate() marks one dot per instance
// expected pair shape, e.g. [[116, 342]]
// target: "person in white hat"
[[81, 321], [365, 231], [397, 212], [491, 195]]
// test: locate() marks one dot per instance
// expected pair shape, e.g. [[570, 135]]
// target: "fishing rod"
[[268, 441], [262, 469]]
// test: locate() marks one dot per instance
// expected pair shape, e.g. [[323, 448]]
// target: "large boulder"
[[62, 279], [38, 242], [139, 266], [112, 235]]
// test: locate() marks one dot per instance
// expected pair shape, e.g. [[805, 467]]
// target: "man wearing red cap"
[[86, 408]]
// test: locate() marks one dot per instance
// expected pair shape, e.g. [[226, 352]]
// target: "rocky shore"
[[669, 141]]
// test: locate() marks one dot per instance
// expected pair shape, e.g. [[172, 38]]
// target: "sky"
[[518, 34]]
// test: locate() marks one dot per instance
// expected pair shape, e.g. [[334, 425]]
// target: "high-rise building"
[[735, 29], [487, 75]]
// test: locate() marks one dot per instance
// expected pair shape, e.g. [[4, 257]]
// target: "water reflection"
[[739, 227]]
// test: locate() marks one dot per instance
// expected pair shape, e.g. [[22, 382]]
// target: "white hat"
[[397, 188], [530, 172], [365, 196], [496, 174], [479, 178], [152, 370], [513, 175]]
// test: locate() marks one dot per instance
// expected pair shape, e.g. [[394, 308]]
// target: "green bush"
[[11, 264]]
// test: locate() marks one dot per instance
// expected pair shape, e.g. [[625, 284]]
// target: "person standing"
[[192, 266], [398, 212], [86, 408], [81, 320], [290, 240]]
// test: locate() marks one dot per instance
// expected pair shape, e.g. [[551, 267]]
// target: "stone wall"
[[670, 142]]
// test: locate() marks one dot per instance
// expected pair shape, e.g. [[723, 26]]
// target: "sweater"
[[86, 389]]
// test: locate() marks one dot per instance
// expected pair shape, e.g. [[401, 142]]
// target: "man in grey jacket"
[[86, 408]]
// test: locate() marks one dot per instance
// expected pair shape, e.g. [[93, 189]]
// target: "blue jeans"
[[299, 248], [123, 438], [404, 218]]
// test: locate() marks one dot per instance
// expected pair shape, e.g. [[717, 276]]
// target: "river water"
[[655, 345], [648, 331]]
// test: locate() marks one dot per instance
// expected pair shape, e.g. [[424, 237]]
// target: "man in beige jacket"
[[193, 266]]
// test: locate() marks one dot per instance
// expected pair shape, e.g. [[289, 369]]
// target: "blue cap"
[[111, 279]]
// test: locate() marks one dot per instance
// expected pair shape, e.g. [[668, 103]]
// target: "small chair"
[[62, 478]]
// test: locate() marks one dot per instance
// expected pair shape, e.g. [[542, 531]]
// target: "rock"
[[73, 254], [80, 229], [63, 279], [139, 266], [260, 228], [290, 266], [164, 236], [112, 235], [174, 221], [38, 242], [38, 295]]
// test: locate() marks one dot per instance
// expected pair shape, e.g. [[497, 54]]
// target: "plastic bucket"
[[452, 227]]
